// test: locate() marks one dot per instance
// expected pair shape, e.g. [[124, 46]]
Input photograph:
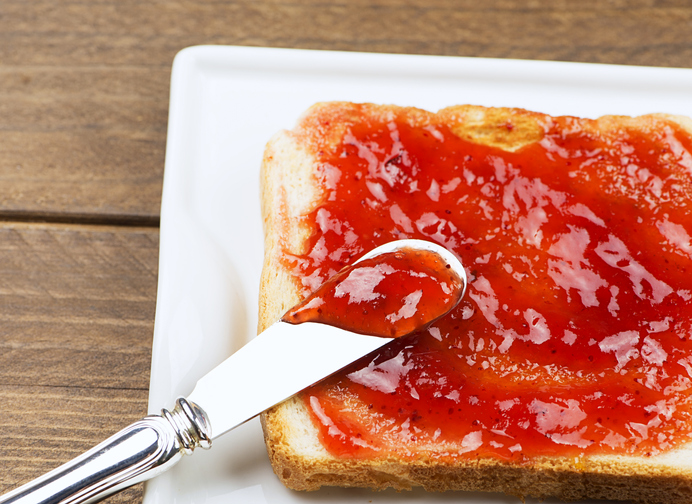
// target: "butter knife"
[[278, 363]]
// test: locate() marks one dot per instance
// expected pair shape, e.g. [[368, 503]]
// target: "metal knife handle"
[[138, 452]]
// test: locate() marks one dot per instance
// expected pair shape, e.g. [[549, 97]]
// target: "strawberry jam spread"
[[389, 295], [575, 335]]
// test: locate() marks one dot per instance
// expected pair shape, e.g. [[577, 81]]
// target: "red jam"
[[575, 336], [389, 295]]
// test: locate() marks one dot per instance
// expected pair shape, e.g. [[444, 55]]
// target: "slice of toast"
[[299, 182]]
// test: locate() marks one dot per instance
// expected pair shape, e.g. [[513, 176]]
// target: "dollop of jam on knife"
[[389, 295]]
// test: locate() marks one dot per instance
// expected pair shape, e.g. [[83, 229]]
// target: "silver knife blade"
[[280, 362]]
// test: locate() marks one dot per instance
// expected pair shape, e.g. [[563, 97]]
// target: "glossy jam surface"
[[389, 295], [574, 336]]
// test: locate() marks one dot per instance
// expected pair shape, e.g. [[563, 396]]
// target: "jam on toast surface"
[[574, 335]]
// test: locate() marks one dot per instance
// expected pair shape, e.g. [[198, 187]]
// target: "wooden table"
[[83, 112]]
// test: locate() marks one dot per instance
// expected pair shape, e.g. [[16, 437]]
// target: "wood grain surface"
[[83, 118], [75, 340]]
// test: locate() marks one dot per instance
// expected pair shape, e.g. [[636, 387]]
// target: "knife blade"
[[280, 362], [292, 357]]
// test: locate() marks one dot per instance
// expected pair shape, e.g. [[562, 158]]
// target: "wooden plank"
[[84, 85], [82, 141], [44, 427], [78, 305], [99, 171], [150, 33], [75, 341]]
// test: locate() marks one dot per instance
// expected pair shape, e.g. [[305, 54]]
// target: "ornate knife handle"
[[137, 453]]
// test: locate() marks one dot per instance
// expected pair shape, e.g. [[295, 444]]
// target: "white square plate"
[[226, 102]]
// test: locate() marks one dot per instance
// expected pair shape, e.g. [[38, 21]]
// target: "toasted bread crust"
[[289, 190]]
